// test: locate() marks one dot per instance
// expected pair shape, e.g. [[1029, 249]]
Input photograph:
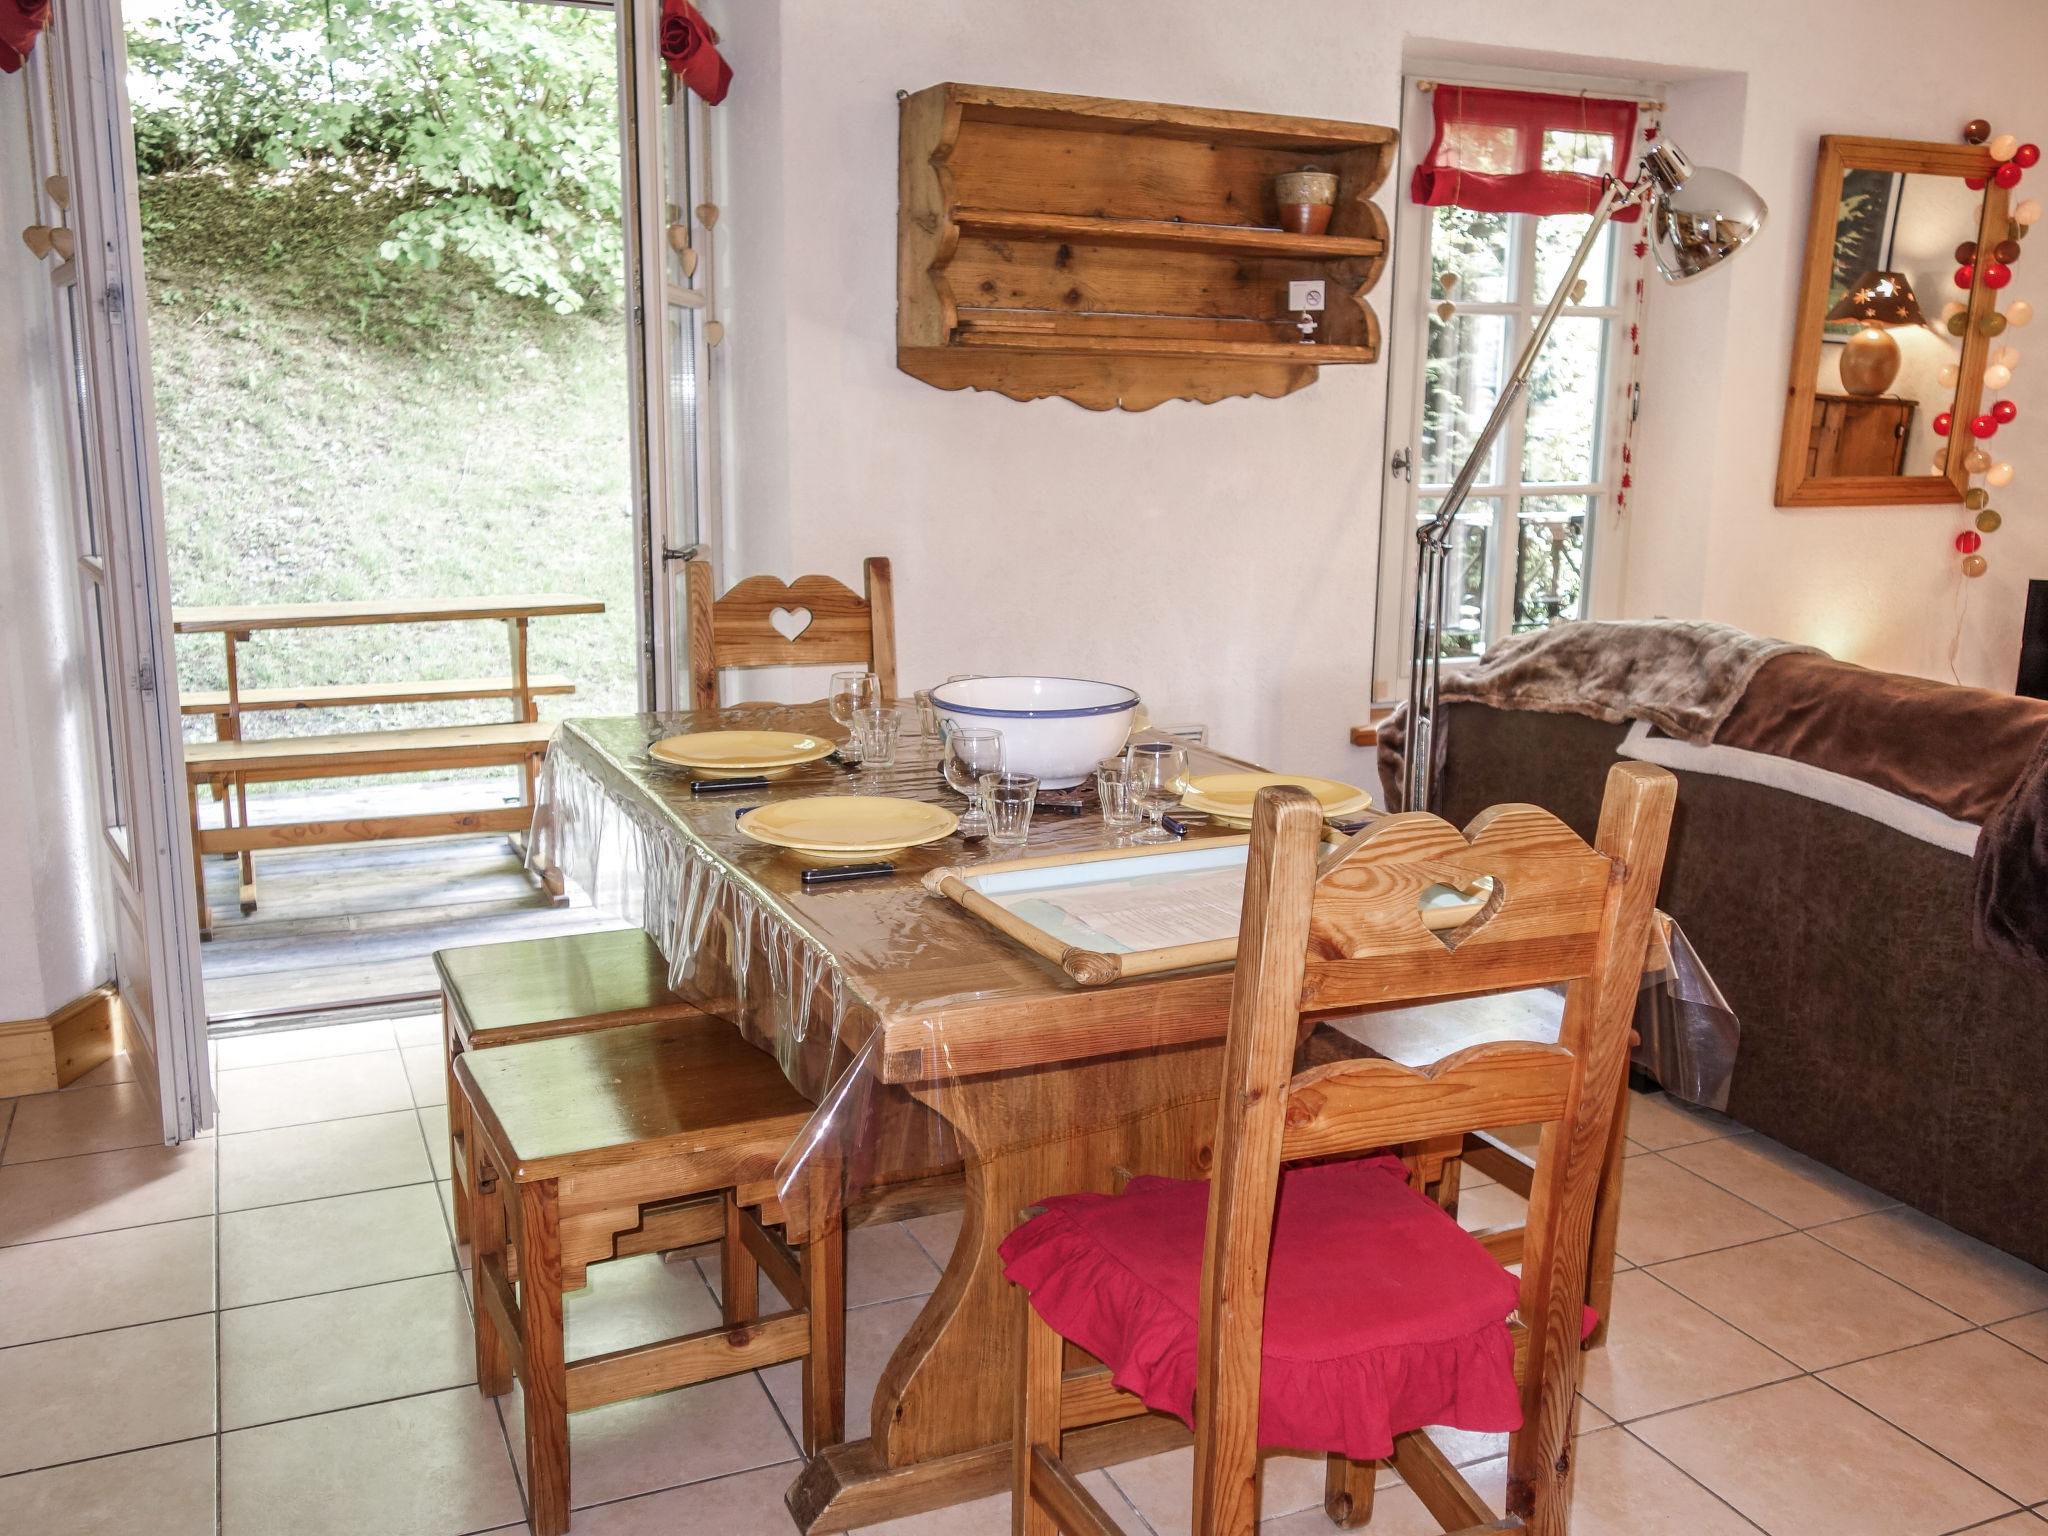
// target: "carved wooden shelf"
[[1121, 253]]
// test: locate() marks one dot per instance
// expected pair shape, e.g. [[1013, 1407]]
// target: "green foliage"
[[494, 126]]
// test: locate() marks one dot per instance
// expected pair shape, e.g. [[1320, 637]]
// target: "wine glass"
[[970, 754], [1157, 768], [847, 695]]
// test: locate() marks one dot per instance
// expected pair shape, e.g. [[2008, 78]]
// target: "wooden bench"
[[230, 763]]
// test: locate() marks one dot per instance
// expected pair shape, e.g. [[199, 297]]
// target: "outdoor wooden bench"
[[229, 764]]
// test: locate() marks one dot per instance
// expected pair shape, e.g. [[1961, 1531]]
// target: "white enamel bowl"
[[1054, 728]]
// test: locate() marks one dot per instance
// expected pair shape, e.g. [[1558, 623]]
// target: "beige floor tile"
[[1623, 1488], [105, 1280], [1791, 1187], [164, 1491], [317, 1353], [1801, 1460], [102, 1191], [434, 1131], [636, 1301], [2012, 1525], [885, 1263], [622, 1449], [991, 1516], [1490, 1205], [282, 1251], [1667, 1213], [936, 1235], [1980, 1401], [1395, 1512], [1664, 1351], [1162, 1488], [427, 1070], [281, 1045], [1657, 1121], [6, 1120], [420, 1466], [1964, 1275], [324, 1158], [1808, 1302], [744, 1504], [299, 1092], [87, 1120], [872, 1334], [418, 1029], [2030, 1333], [105, 1392]]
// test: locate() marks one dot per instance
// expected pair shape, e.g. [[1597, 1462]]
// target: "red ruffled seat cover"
[[1381, 1314]]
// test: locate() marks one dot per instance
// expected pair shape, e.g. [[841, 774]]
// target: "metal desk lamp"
[[1698, 219]]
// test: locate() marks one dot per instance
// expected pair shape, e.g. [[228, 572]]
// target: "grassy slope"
[[331, 430]]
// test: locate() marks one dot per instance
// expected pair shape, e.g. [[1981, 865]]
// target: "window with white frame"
[[1469, 289]]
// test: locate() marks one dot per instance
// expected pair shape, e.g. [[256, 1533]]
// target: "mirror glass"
[[1888, 362], [1889, 352]]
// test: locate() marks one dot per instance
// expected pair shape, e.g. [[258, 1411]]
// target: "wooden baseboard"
[[43, 1055]]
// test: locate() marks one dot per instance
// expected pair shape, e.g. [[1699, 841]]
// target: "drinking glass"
[[970, 754], [927, 715], [1010, 799], [1157, 768], [1113, 793], [847, 694], [874, 733]]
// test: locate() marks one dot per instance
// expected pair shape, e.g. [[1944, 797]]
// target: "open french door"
[[673, 347], [82, 132]]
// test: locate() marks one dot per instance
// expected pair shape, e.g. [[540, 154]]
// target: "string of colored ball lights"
[[2010, 160]]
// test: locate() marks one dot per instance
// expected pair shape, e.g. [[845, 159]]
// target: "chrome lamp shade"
[[1698, 218]]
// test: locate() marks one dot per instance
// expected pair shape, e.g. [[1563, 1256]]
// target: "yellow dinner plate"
[[847, 824], [1229, 796], [738, 752]]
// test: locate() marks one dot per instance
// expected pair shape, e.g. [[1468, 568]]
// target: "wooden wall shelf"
[[1121, 253]]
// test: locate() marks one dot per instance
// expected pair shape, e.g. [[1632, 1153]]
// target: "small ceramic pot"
[[1306, 199]]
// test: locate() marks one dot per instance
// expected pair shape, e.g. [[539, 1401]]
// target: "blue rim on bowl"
[[1128, 701]]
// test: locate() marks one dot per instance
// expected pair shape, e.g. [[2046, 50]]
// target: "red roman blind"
[[1499, 151]]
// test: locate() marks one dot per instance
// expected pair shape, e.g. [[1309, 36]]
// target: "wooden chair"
[[738, 630], [629, 1140], [1337, 937], [537, 989]]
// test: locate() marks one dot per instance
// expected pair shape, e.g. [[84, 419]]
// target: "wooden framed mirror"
[[1872, 351]]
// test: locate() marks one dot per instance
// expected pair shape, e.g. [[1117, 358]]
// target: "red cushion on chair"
[[1381, 1314]]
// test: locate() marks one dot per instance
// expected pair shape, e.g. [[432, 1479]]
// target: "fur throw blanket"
[[1681, 675], [2010, 919]]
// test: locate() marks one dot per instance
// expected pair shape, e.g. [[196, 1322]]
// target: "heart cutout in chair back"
[[1452, 915], [789, 622]]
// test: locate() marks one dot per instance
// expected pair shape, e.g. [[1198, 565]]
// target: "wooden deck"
[[346, 924]]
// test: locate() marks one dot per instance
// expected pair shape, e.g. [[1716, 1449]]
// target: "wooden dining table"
[[928, 1039]]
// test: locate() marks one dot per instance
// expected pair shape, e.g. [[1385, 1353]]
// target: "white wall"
[[1222, 558], [52, 940]]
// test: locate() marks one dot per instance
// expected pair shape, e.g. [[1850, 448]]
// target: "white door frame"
[[152, 877], [659, 126]]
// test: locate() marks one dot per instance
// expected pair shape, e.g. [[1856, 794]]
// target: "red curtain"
[[691, 48], [1501, 151], [20, 22]]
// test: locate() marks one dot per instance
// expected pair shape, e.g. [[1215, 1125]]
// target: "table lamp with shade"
[[1698, 218], [1877, 301]]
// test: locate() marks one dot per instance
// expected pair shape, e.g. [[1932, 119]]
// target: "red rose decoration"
[[691, 48], [20, 25]]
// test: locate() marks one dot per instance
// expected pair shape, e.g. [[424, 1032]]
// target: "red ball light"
[[2004, 412], [2026, 155], [1997, 275], [1942, 423], [1966, 275], [1968, 543], [1982, 426], [1975, 183], [2007, 175]]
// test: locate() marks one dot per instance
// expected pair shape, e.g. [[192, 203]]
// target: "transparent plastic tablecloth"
[[808, 973]]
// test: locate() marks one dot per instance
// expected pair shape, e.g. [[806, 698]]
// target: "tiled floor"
[[265, 1333]]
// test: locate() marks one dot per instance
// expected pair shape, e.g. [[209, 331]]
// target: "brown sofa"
[[1874, 1036]]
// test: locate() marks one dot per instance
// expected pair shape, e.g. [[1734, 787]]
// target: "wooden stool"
[[633, 1140], [536, 989]]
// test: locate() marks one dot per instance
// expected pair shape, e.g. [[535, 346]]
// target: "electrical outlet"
[[1307, 296]]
